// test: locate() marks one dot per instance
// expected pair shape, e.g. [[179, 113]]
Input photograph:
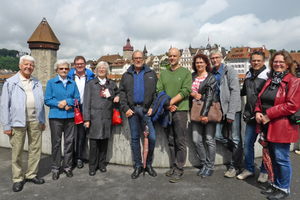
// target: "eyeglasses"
[[215, 58], [61, 68], [139, 58], [79, 64], [279, 62], [254, 61]]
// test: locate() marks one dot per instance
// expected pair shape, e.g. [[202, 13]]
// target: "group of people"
[[272, 95]]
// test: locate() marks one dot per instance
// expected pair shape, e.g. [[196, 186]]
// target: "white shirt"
[[80, 82]]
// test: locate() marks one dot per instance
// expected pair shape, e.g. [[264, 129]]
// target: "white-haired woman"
[[99, 95], [60, 96]]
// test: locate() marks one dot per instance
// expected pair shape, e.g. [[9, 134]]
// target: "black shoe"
[[201, 171], [55, 175], [278, 194], [150, 171], [36, 180], [268, 190], [18, 186], [79, 164], [207, 173], [176, 177], [102, 169], [170, 172], [69, 173], [137, 172], [92, 172]]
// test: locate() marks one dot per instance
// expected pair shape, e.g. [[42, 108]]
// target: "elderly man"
[[22, 111], [177, 83], [228, 92], [137, 97], [253, 84], [81, 76]]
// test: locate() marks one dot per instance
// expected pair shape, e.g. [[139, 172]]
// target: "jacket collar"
[[16, 80], [131, 68], [56, 79]]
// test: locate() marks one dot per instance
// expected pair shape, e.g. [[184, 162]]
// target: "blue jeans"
[[250, 138], [237, 151], [137, 121], [280, 156]]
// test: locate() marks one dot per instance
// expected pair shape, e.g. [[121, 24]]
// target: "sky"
[[93, 28]]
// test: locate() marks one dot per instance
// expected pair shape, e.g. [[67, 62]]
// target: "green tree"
[[272, 51]]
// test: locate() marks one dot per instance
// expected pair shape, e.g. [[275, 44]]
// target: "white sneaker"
[[263, 177], [245, 174], [230, 173], [297, 152]]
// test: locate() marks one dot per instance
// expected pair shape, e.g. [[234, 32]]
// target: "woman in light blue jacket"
[[60, 96]]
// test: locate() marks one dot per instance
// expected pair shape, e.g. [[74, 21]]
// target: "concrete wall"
[[119, 148]]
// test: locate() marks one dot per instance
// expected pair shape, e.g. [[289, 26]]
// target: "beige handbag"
[[214, 114]]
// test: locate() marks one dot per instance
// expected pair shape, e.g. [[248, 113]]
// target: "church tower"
[[145, 52], [127, 50], [44, 45]]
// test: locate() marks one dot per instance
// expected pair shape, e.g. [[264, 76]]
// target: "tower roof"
[[128, 47], [43, 34]]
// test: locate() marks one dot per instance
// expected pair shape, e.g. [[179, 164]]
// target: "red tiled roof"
[[245, 52]]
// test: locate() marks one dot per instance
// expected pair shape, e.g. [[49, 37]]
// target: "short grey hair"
[[136, 52], [27, 57], [100, 64], [61, 62], [215, 51]]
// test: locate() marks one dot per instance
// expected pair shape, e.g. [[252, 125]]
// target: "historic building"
[[127, 50], [44, 45], [239, 58]]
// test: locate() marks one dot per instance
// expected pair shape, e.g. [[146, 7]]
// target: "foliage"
[[7, 62], [272, 51], [6, 52]]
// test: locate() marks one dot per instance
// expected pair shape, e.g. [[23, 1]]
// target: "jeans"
[[237, 149], [205, 133], [250, 138], [137, 121], [280, 156]]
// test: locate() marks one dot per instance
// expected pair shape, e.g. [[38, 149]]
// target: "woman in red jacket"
[[278, 99]]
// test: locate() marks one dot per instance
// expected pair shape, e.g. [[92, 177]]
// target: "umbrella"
[[145, 147], [266, 154]]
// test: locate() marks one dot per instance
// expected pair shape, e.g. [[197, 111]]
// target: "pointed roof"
[[43, 33], [145, 50]]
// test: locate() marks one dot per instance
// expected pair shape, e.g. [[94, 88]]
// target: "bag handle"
[[76, 103]]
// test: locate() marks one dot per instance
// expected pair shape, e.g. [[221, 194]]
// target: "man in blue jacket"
[[22, 111], [81, 76], [137, 97]]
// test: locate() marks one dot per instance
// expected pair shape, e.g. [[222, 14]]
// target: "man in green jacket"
[[176, 82]]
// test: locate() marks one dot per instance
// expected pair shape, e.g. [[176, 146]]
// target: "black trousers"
[[98, 150]]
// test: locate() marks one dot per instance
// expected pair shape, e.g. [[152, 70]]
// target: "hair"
[[27, 57], [288, 61], [260, 53], [205, 59], [100, 64], [79, 57], [136, 52], [215, 51], [296, 63], [61, 62]]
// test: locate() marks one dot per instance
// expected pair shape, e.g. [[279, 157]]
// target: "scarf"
[[277, 78]]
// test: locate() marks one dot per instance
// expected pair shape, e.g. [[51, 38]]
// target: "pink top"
[[196, 84]]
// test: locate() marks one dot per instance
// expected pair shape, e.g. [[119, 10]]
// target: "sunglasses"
[[67, 69]]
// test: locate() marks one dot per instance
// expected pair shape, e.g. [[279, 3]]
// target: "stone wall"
[[119, 148]]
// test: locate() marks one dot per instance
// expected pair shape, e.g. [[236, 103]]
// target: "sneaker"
[[245, 174], [176, 177], [278, 194], [263, 177], [297, 152], [230, 173], [170, 172]]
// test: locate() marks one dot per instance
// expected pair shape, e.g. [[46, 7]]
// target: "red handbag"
[[78, 116], [116, 120]]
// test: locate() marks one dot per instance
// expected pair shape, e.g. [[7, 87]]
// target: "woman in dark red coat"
[[279, 98]]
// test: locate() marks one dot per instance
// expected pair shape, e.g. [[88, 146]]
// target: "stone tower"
[[127, 50], [44, 45]]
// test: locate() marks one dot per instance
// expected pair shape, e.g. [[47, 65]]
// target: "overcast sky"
[[93, 28]]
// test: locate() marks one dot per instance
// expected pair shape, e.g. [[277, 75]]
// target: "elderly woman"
[[278, 99], [99, 96], [60, 96], [204, 88]]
